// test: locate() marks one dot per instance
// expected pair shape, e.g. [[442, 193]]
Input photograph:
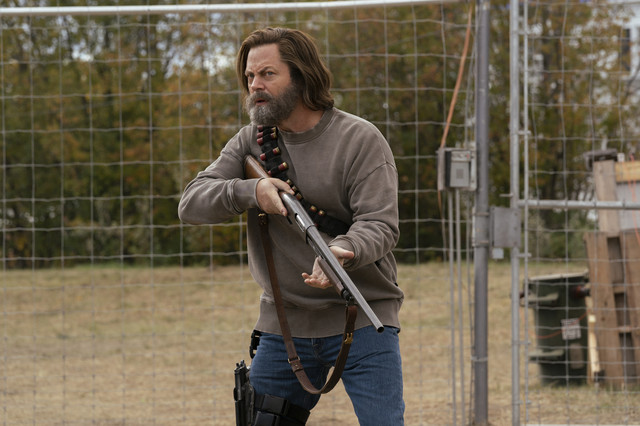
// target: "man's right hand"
[[267, 193]]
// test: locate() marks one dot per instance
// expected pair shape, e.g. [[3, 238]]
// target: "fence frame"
[[206, 8]]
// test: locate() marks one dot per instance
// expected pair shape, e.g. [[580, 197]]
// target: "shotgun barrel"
[[327, 261]]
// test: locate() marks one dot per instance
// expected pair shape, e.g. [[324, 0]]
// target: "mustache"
[[252, 98]]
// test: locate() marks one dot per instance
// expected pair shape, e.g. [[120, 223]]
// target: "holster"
[[263, 410], [243, 395]]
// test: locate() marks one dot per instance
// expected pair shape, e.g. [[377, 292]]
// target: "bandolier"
[[271, 156]]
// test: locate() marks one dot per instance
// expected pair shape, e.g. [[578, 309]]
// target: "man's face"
[[272, 94]]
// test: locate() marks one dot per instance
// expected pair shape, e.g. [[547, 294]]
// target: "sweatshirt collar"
[[314, 132]]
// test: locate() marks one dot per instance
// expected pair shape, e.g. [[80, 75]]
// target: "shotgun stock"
[[326, 259]]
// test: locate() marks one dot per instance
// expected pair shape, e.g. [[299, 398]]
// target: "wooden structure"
[[614, 274]]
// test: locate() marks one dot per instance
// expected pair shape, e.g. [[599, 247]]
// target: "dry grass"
[[114, 346]]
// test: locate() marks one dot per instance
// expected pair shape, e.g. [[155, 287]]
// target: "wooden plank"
[[605, 186], [630, 242], [605, 327], [594, 370], [628, 191], [627, 171]]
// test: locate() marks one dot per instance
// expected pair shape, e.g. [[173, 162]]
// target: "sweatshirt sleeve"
[[219, 192]]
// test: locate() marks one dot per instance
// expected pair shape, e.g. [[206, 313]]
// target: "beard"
[[275, 110]]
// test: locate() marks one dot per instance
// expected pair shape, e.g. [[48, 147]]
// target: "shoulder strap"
[[294, 359], [267, 138]]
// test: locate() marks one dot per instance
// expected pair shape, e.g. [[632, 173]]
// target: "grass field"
[[134, 346]]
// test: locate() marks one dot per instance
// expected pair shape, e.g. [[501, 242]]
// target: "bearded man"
[[344, 168]]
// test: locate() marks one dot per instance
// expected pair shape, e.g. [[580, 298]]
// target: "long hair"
[[299, 51]]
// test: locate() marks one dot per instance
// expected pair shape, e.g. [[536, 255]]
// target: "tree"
[[106, 118], [96, 109]]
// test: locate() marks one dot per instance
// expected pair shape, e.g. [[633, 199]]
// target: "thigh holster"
[[275, 411]]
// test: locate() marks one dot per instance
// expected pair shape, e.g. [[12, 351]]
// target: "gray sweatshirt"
[[344, 166]]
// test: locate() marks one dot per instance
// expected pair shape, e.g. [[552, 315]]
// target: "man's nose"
[[256, 84]]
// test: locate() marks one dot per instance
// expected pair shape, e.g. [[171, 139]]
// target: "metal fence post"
[[481, 248]]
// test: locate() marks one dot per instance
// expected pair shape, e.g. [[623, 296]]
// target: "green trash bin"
[[561, 327]]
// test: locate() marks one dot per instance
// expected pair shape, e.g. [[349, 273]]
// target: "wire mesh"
[[114, 312]]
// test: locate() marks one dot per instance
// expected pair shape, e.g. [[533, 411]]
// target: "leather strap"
[[294, 359]]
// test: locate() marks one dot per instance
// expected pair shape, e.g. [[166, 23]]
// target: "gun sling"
[[294, 359]]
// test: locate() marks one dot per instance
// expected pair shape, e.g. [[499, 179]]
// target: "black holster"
[[263, 410], [243, 395]]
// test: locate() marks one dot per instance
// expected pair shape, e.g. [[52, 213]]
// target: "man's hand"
[[268, 198], [317, 278]]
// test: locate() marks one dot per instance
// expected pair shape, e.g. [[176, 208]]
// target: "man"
[[343, 165]]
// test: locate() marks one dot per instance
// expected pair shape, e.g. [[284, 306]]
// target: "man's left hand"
[[318, 278]]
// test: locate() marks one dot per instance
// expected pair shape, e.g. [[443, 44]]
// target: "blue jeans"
[[372, 376]]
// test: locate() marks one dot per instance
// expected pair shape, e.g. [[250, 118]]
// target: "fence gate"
[[574, 139]]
